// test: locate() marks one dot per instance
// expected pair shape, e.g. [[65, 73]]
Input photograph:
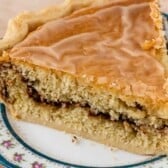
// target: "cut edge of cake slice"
[[78, 119]]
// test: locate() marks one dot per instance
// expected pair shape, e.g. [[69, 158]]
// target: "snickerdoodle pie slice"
[[94, 68]]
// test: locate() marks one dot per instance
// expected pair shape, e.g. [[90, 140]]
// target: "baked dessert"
[[97, 69]]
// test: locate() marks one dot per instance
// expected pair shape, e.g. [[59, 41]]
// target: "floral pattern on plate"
[[12, 152]]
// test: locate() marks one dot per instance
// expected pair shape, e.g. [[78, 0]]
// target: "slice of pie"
[[94, 68]]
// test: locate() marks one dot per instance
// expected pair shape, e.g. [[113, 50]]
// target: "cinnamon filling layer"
[[60, 104], [35, 95]]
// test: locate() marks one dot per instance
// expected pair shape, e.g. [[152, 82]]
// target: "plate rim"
[[165, 14], [43, 156]]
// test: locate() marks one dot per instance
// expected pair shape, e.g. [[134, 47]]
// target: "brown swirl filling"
[[35, 95], [32, 92]]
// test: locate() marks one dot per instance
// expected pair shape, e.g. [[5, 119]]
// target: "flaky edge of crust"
[[20, 26]]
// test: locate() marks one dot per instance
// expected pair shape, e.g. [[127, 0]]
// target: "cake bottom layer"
[[77, 121]]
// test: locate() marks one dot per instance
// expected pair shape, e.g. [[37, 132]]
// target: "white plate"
[[32, 146]]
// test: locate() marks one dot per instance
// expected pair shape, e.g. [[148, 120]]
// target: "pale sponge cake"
[[98, 70]]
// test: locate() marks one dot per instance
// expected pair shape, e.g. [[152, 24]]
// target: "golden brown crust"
[[140, 73], [21, 25], [24, 23]]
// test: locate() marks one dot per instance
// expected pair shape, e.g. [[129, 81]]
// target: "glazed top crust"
[[114, 45]]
